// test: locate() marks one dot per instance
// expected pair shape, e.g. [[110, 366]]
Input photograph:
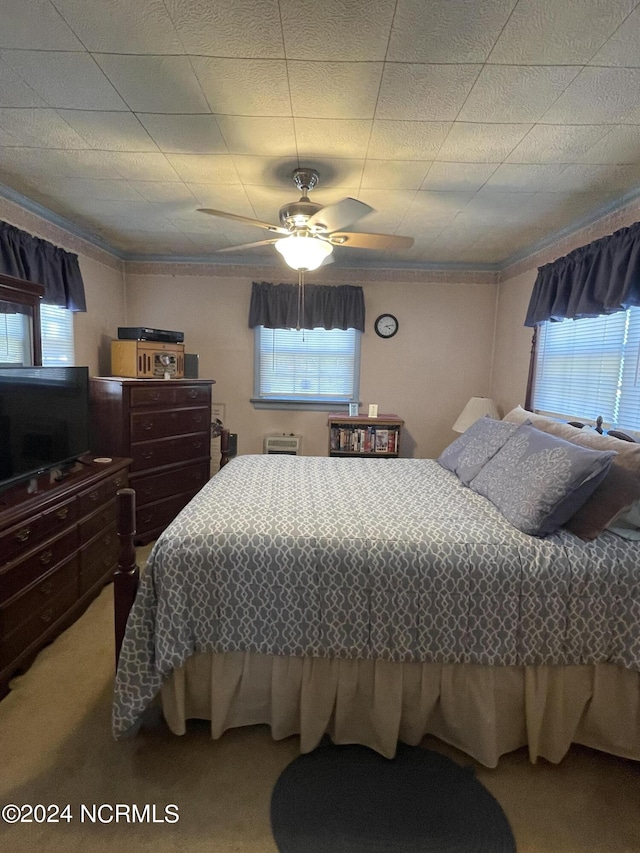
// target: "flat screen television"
[[44, 419]]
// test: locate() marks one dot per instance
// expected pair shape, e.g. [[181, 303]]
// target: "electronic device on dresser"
[[144, 333]]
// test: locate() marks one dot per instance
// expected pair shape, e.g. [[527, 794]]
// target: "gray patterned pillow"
[[538, 481], [466, 455]]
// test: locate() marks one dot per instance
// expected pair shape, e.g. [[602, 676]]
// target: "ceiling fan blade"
[[337, 215], [245, 219], [248, 245], [355, 240]]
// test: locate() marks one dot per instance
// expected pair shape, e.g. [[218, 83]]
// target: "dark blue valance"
[[600, 278], [276, 306], [39, 261]]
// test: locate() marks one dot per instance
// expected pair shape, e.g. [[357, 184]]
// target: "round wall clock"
[[386, 325]]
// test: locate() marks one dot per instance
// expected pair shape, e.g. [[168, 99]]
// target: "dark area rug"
[[349, 799]]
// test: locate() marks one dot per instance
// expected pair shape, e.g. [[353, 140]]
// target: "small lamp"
[[476, 408]]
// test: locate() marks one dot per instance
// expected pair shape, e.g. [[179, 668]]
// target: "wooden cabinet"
[[164, 426], [58, 547], [361, 436]]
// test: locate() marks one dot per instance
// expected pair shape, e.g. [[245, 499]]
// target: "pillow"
[[627, 524], [538, 481], [483, 439], [617, 492]]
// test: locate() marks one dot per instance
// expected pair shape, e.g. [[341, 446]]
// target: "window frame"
[[296, 403]]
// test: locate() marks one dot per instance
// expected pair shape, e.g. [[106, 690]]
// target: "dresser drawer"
[[90, 499], [149, 425], [97, 521], [98, 559], [161, 513], [22, 537], [28, 568], [154, 487], [38, 598], [39, 622], [165, 451], [169, 395]]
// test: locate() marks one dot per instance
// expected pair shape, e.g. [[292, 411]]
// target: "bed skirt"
[[483, 711]]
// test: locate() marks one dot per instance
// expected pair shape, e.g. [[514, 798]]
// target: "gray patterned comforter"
[[369, 558]]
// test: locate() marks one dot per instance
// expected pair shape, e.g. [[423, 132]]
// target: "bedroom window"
[[56, 326], [306, 368], [590, 367]]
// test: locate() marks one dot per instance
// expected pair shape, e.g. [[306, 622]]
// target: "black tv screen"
[[44, 419]]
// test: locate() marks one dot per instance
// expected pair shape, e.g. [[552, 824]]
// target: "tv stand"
[[58, 548]]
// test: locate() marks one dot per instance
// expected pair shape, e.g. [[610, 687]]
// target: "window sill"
[[302, 405]]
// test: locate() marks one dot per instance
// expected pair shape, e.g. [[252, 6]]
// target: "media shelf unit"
[[362, 436], [58, 548]]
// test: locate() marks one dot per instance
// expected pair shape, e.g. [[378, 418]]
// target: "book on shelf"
[[382, 441]]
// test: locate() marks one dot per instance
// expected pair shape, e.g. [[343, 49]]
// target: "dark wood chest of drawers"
[[164, 426], [58, 547]]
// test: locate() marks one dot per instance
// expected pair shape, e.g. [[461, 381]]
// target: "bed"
[[378, 601]]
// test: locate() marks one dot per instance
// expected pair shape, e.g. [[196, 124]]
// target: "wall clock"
[[386, 325]]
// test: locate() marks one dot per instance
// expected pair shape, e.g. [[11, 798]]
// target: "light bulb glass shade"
[[476, 408], [303, 253]]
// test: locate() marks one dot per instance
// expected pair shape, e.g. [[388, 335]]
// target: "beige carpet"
[[56, 748]]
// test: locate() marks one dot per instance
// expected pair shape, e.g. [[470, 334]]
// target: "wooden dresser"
[[58, 547], [164, 426]]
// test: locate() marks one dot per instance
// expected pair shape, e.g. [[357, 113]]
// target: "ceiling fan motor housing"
[[296, 214]]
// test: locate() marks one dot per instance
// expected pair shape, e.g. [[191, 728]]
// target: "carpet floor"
[[56, 748]]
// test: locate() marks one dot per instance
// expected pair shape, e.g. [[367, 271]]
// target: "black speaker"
[[233, 444], [191, 360]]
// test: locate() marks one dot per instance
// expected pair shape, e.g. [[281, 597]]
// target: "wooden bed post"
[[127, 575]]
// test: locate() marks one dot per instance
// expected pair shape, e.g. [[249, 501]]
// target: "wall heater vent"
[[290, 445]]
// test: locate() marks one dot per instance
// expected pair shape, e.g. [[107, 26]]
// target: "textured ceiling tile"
[[394, 174], [619, 145], [334, 89], [458, 176], [516, 177], [553, 32], [403, 93], [552, 143], [332, 137], [36, 25], [598, 95], [436, 207], [70, 188], [120, 26], [83, 164], [582, 178], [481, 143], [237, 86], [258, 135], [407, 140], [243, 28], [336, 29], [231, 198], [621, 49], [155, 84], [446, 30], [142, 166], [515, 93], [507, 208], [40, 129], [109, 131], [159, 191], [65, 80], [204, 168], [184, 134], [278, 172], [14, 92]]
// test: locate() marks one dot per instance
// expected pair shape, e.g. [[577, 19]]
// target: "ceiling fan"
[[308, 231]]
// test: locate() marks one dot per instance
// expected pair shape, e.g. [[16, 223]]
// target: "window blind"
[[589, 367], [56, 325], [309, 365]]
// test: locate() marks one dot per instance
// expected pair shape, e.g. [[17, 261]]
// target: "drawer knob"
[[63, 512], [23, 534], [46, 557], [119, 481], [153, 395], [93, 496], [193, 393], [47, 616], [147, 454], [46, 588]]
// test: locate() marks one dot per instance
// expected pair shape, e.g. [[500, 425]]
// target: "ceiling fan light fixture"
[[301, 252]]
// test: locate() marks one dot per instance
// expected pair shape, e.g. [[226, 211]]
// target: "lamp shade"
[[476, 408], [301, 252]]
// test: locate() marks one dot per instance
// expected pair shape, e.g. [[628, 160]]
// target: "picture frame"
[[373, 410], [354, 410]]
